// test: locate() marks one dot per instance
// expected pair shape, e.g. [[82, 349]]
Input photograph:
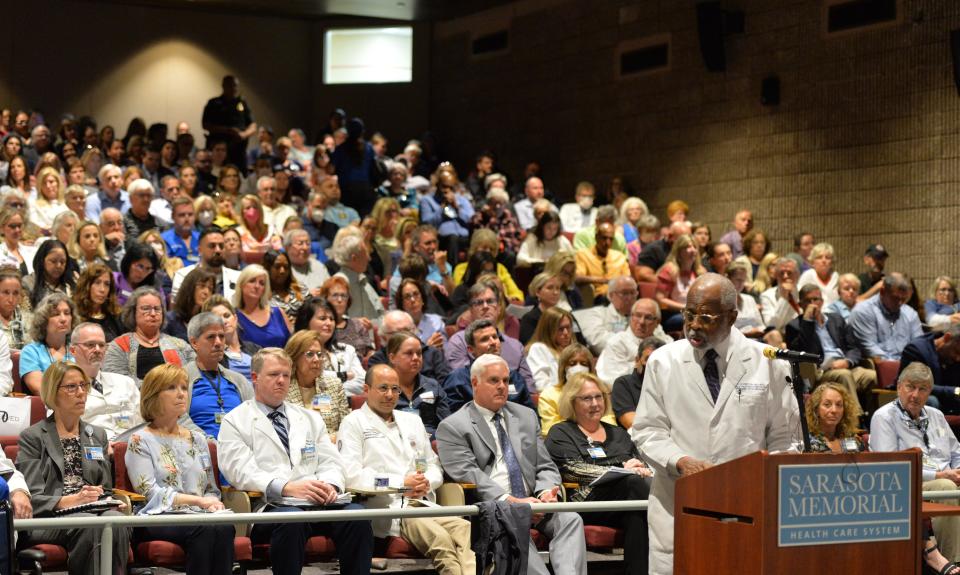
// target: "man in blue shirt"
[[425, 241], [183, 238], [883, 325], [336, 212], [109, 195]]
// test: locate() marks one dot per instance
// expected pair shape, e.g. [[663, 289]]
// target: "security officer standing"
[[228, 118]]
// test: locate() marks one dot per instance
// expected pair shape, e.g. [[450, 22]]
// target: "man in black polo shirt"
[[626, 389], [655, 253], [228, 118]]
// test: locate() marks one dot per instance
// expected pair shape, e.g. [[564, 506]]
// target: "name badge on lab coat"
[[309, 451]]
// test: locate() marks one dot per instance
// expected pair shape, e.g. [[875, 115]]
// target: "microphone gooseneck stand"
[[798, 388]]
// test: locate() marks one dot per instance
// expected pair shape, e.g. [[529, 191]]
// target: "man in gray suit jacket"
[[496, 445]]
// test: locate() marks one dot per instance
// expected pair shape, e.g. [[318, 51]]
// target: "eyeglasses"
[[313, 354], [88, 345], [338, 296], [411, 296], [484, 302], [148, 309], [16, 205], [625, 293], [644, 316], [704, 319], [391, 389], [598, 398], [143, 268], [74, 389]]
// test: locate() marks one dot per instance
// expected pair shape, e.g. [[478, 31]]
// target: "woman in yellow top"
[[486, 240], [574, 359]]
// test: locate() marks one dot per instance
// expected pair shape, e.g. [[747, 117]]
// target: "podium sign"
[[825, 504]]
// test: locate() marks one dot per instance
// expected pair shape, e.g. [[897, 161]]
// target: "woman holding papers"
[[586, 449], [67, 463], [170, 466]]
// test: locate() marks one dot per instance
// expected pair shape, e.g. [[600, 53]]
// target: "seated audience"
[[674, 279], [648, 230], [355, 331], [780, 304], [212, 389], [438, 301], [756, 246], [287, 293], [425, 242], [339, 359], [12, 249], [506, 459], [144, 346], [96, 298], [587, 237], [496, 215], [411, 298], [64, 227], [138, 268], [908, 423], [16, 318], [939, 351], [237, 354], [822, 274], [254, 452], [601, 322], [543, 241], [418, 393], [654, 254], [168, 266], [749, 320], [486, 241], [259, 320], [619, 355], [407, 459], [138, 218], [196, 289], [533, 191], [435, 366], [53, 272], [170, 465], [848, 288], [735, 238], [212, 257], [826, 335], [487, 301], [625, 395], [875, 259], [584, 446], [114, 236], [597, 265], [183, 239], [482, 337], [546, 290], [573, 360], [313, 384], [553, 334], [882, 325], [942, 309], [833, 417], [717, 258], [56, 460], [564, 265], [113, 400], [578, 214], [256, 233], [449, 212], [53, 320], [802, 248], [307, 269], [353, 256], [631, 211]]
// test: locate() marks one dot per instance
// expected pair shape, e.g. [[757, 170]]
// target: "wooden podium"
[[727, 519]]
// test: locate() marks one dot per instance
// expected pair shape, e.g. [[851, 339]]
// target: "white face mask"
[[205, 217], [316, 215], [585, 203], [575, 369]]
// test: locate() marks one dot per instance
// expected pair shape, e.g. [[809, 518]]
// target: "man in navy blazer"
[[825, 335], [496, 445], [941, 353]]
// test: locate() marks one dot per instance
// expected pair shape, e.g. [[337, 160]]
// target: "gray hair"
[[291, 235], [821, 249], [483, 362], [648, 222], [140, 185], [346, 248], [105, 170], [45, 310], [785, 261], [201, 323], [606, 213], [612, 284], [478, 288], [650, 302], [849, 277], [61, 219], [128, 315], [916, 372], [82, 326], [473, 327], [728, 293], [263, 179], [895, 281], [394, 315], [653, 342]]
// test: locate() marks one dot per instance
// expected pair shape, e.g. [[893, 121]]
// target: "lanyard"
[[920, 425], [215, 385]]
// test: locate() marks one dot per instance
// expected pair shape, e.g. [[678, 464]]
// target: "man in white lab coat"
[[707, 399], [283, 451], [378, 443]]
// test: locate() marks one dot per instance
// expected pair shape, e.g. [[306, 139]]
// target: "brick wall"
[[862, 148]]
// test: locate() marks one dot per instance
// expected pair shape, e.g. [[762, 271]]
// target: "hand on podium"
[[688, 465]]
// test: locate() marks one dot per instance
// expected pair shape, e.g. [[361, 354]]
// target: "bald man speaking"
[[707, 399]]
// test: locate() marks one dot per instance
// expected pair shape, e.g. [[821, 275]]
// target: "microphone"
[[774, 353]]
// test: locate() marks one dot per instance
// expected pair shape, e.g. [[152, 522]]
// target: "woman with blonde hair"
[[256, 235], [766, 277], [822, 273], [553, 334], [49, 202], [833, 417], [86, 246], [674, 279], [942, 309], [546, 289], [259, 321], [75, 198], [64, 226], [487, 240], [575, 359], [563, 264], [171, 466], [386, 214], [206, 211], [312, 385]]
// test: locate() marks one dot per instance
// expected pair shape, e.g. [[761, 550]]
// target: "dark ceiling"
[[413, 10]]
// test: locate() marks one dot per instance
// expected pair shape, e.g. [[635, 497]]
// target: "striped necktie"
[[278, 420]]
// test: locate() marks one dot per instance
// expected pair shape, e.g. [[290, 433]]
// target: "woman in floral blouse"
[[171, 467]]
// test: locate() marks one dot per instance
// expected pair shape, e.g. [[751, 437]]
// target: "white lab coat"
[[115, 410], [777, 311], [676, 417], [370, 449], [251, 455]]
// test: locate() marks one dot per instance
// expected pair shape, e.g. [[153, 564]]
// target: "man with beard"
[[707, 399], [211, 258]]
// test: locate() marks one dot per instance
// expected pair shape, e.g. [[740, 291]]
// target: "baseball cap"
[[877, 251]]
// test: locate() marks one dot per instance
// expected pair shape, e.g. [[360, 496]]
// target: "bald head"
[[678, 229], [395, 321], [710, 312]]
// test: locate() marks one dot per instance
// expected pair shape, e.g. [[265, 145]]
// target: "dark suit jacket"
[[459, 390], [945, 377], [468, 450], [40, 459], [802, 336]]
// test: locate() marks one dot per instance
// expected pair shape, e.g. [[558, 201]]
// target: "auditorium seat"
[[253, 257], [395, 548], [357, 401], [15, 359], [523, 275], [647, 289], [602, 539], [887, 371]]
